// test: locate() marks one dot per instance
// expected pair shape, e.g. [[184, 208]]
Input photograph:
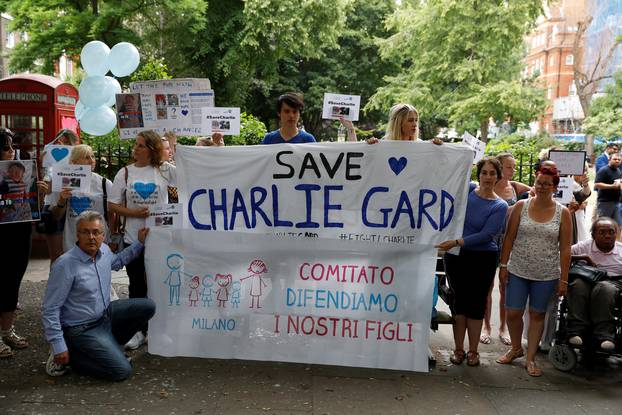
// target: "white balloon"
[[94, 58], [123, 59], [94, 91], [98, 121], [115, 88], [79, 110]]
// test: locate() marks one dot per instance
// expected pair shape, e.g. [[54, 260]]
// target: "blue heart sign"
[[397, 165], [59, 153], [80, 204]]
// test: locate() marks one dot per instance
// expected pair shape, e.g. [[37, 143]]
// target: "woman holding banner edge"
[[135, 188]]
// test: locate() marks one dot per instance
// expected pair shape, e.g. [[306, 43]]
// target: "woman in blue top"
[[471, 272], [289, 106]]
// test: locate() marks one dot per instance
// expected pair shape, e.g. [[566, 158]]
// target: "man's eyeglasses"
[[93, 233]]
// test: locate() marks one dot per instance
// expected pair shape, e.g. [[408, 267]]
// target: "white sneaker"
[[575, 341], [135, 342], [608, 345], [54, 369]]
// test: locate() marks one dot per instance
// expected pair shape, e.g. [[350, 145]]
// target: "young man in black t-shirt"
[[608, 184]]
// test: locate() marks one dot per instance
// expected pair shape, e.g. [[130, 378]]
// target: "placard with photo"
[[19, 198], [71, 176], [337, 105], [168, 215], [221, 120], [568, 162]]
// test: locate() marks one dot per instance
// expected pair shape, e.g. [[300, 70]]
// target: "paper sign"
[[346, 106], [478, 146], [19, 198], [56, 154], [71, 176], [165, 216], [164, 105], [568, 162], [564, 190], [221, 120]]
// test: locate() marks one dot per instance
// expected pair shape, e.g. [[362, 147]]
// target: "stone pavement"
[[195, 386]]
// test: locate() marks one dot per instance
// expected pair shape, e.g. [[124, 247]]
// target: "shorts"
[[539, 293]]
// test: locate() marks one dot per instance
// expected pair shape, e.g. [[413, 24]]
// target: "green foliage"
[[252, 131], [450, 51], [605, 119], [152, 69]]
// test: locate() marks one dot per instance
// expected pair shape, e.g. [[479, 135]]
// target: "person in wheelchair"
[[592, 304]]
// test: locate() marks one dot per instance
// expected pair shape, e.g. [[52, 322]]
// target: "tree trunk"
[[483, 128]]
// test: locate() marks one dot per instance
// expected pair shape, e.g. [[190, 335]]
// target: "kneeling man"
[[593, 304], [84, 328]]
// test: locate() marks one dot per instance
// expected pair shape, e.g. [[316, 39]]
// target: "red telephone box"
[[37, 106]]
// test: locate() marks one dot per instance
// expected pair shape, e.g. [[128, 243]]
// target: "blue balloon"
[[79, 110], [94, 58], [94, 91], [114, 88], [98, 121], [123, 59]]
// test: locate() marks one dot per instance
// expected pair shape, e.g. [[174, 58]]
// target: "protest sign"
[[71, 176], [164, 105], [564, 190], [19, 198], [478, 146], [55, 154], [260, 297], [346, 106], [568, 162], [221, 120], [398, 192], [165, 216]]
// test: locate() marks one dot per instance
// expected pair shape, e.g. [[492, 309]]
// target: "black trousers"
[[470, 275], [15, 244], [138, 280]]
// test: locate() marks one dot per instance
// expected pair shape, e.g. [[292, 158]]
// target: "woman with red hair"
[[534, 262]]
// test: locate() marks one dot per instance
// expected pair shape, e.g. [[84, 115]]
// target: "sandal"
[[533, 369], [485, 339], [505, 339], [13, 340], [458, 357], [473, 358], [510, 355], [5, 350]]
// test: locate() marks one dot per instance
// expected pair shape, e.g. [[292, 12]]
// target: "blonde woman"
[[68, 204], [403, 125]]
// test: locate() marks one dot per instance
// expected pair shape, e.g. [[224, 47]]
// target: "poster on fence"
[[19, 198], [261, 297], [402, 193], [164, 105]]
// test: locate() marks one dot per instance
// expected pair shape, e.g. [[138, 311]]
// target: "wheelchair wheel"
[[562, 357]]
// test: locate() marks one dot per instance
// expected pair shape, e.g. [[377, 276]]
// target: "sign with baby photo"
[[337, 106], [221, 120], [19, 198], [71, 176], [165, 216]]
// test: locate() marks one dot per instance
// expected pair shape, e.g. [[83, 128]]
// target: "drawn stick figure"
[[193, 295], [222, 294], [206, 293], [235, 294], [256, 268], [174, 262]]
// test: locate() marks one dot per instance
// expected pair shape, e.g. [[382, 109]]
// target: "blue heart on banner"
[[184, 112], [144, 189], [397, 165], [59, 153], [80, 204]]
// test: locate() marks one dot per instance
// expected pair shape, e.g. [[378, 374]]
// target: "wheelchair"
[[564, 356]]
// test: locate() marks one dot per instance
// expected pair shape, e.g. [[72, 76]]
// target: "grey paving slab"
[[529, 401]]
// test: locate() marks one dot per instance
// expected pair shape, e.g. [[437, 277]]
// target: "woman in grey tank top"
[[534, 263]]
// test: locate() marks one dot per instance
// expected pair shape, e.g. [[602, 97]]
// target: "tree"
[[605, 118], [55, 27], [450, 51], [588, 75]]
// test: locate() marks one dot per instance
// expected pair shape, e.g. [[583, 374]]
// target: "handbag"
[[587, 273], [117, 238]]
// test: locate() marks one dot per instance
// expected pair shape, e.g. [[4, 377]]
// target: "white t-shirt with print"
[[146, 187], [81, 202]]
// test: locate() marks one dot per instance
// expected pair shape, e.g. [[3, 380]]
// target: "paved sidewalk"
[[210, 386]]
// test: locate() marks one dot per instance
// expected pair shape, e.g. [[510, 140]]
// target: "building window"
[[551, 60], [549, 93], [570, 59], [572, 89], [10, 40]]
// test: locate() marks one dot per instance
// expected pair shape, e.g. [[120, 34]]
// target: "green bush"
[[252, 131]]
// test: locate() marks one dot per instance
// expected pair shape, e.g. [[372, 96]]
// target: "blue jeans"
[[96, 349]]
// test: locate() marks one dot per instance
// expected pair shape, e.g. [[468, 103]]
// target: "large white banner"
[[260, 297], [391, 192]]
